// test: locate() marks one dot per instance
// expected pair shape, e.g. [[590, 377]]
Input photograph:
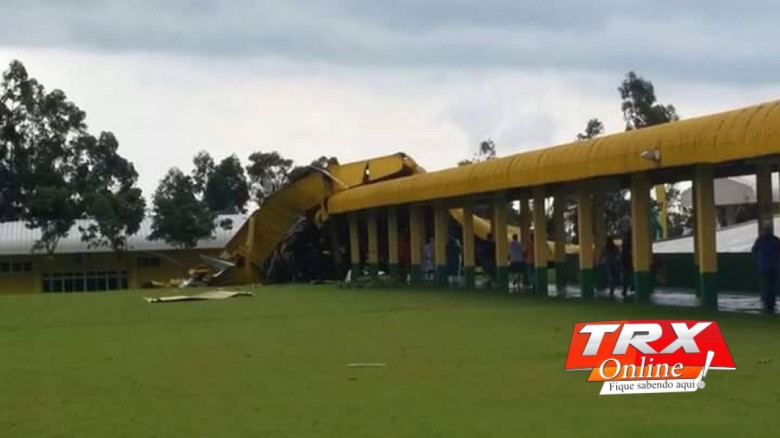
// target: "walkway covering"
[[734, 135]]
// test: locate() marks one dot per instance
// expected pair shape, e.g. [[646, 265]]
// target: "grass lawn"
[[458, 365]]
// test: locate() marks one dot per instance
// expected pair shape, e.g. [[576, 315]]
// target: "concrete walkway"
[[727, 301]]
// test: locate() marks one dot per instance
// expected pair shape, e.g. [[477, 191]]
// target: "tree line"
[[54, 171]]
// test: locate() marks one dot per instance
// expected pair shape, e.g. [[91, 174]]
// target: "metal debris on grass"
[[206, 296]]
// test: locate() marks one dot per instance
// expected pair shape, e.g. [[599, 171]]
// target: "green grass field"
[[458, 365]]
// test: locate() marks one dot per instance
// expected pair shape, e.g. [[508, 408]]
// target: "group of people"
[[520, 259], [616, 260]]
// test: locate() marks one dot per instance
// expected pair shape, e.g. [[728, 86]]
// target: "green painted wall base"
[[502, 278], [587, 286], [540, 276], [470, 276], [697, 284], [417, 274], [441, 275], [356, 270], [708, 289], [644, 286], [560, 275], [373, 270], [600, 277], [395, 272]]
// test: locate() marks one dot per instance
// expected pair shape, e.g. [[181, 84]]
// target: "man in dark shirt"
[[766, 251]]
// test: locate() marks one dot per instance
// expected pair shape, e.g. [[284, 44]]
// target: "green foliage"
[[593, 129], [226, 190], [320, 163], [640, 107], [268, 172], [180, 218], [55, 172], [487, 151]]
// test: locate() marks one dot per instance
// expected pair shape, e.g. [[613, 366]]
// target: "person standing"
[[611, 261], [428, 262], [529, 261], [627, 262], [489, 260], [766, 251], [454, 252], [516, 262]]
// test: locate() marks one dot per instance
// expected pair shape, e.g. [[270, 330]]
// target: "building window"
[[149, 262], [15, 267], [84, 281]]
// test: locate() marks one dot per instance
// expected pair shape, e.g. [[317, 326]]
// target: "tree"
[[487, 151], [268, 172], [320, 163], [226, 190], [55, 172], [593, 129], [204, 166], [107, 183], [180, 218], [640, 107]]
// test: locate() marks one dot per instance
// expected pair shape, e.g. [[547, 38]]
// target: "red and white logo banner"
[[648, 356]]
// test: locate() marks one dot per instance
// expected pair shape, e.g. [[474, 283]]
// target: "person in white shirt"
[[516, 262]]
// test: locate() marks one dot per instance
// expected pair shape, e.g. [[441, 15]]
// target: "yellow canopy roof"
[[740, 134]]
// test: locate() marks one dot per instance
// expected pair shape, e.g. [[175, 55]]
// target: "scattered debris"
[[207, 296]]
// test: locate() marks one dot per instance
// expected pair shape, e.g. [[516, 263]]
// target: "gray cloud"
[[716, 41]]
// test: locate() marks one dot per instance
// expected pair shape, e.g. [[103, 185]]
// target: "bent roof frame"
[[741, 134]]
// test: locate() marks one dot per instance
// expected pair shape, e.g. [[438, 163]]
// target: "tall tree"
[[180, 218], [107, 181], [640, 110], [640, 107], [320, 163], [226, 190], [268, 172], [593, 129], [55, 171], [203, 167], [486, 151]]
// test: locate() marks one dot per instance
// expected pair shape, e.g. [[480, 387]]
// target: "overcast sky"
[[357, 79]]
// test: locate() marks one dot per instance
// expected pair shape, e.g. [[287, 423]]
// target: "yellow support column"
[[540, 241], [441, 235], [585, 232], [373, 244], [416, 236], [559, 206], [764, 196], [248, 274], [599, 236], [663, 210], [640, 233], [705, 220], [354, 244], [468, 245], [525, 235], [500, 214], [392, 243]]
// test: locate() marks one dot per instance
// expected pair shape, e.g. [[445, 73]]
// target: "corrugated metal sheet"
[[17, 239], [744, 133]]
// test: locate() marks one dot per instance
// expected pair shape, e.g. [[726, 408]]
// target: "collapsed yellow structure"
[[740, 142], [308, 195]]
